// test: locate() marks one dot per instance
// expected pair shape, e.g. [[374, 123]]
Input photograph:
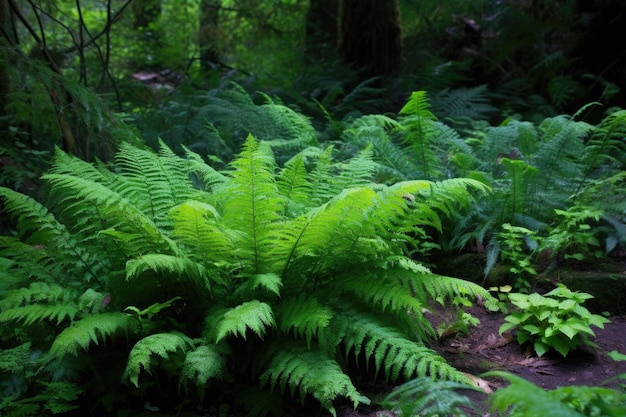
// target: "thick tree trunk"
[[370, 37]]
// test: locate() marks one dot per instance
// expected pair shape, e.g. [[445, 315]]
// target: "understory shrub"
[[254, 283]]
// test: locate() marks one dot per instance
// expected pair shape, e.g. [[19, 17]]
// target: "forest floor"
[[483, 349]]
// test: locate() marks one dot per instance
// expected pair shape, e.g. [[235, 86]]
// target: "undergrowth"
[[258, 278]]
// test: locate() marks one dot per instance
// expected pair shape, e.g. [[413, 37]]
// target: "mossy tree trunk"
[[370, 37]]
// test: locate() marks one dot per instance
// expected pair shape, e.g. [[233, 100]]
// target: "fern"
[[310, 372], [471, 103], [160, 345], [240, 274], [89, 329], [202, 364], [305, 316], [390, 349], [253, 315], [428, 398], [522, 398]]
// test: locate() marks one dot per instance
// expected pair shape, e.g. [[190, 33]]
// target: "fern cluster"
[[534, 170], [279, 278]]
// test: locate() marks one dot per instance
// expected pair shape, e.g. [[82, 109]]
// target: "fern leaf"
[[168, 263], [429, 398], [197, 227], [472, 103], [39, 226], [209, 176], [418, 105], [89, 329], [118, 209], [303, 315], [376, 290], [15, 360], [527, 398], [253, 315], [38, 312], [37, 292], [390, 349], [203, 363], [311, 372], [159, 344], [441, 288], [293, 185], [269, 281], [253, 202], [154, 182]]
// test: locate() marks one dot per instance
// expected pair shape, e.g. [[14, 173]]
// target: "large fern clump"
[[256, 279]]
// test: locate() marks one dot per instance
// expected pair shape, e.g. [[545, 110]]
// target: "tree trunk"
[[209, 35], [6, 40], [370, 37]]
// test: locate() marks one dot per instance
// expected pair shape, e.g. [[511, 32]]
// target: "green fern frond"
[[64, 163], [90, 329], [358, 171], [426, 397], [562, 89], [197, 227], [118, 210], [379, 292], [201, 364], [37, 292], [441, 288], [558, 156], [305, 316], [527, 399], [417, 105], [208, 175], [269, 281], [291, 131], [176, 265], [16, 359], [472, 103], [310, 372], [293, 184], [419, 132], [253, 202], [154, 182], [39, 226], [32, 313], [253, 315], [393, 161], [162, 345], [338, 223], [391, 350]]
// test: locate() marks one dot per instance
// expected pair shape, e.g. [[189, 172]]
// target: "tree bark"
[[370, 37]]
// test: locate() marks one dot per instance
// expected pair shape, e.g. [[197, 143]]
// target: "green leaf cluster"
[[556, 320]]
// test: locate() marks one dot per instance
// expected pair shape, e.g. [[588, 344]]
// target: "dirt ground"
[[484, 349]]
